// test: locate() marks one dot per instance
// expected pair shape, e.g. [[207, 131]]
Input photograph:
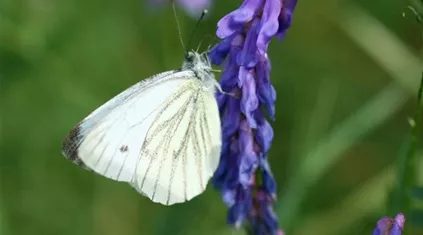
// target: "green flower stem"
[[407, 165]]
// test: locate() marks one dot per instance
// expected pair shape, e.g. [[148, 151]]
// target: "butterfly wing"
[[137, 136], [101, 142], [181, 150]]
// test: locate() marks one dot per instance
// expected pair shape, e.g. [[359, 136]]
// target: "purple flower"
[[192, 7], [389, 226], [244, 175]]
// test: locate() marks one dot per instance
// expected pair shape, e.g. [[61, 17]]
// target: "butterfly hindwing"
[[182, 147]]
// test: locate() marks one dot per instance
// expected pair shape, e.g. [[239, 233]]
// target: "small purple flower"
[[244, 175], [389, 226], [192, 7]]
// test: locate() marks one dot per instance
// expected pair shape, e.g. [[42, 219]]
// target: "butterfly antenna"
[[196, 26], [178, 25]]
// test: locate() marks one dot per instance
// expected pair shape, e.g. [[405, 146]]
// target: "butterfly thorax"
[[200, 65]]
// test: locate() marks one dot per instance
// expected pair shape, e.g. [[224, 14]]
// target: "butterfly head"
[[199, 64]]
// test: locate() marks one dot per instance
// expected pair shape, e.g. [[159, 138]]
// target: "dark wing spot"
[[124, 148]]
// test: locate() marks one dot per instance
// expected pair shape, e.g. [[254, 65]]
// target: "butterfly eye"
[[189, 58]]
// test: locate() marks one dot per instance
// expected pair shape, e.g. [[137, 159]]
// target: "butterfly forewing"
[[161, 135], [110, 138]]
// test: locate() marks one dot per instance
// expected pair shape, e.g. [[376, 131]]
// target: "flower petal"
[[236, 20], [265, 91], [219, 52], [239, 211], [249, 100], [264, 133], [248, 57], [230, 75], [249, 159], [285, 17], [231, 121], [383, 226], [269, 24], [269, 183]]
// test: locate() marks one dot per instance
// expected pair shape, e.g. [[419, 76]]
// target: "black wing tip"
[[71, 144]]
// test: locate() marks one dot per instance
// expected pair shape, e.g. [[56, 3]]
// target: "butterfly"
[[162, 135]]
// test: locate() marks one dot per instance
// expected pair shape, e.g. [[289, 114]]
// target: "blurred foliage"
[[346, 74]]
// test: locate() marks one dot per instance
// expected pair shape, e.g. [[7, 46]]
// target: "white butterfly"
[[162, 135]]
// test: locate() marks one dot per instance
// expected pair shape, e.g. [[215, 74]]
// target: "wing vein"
[[172, 122]]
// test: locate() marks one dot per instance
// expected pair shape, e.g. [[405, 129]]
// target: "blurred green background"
[[346, 76]]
